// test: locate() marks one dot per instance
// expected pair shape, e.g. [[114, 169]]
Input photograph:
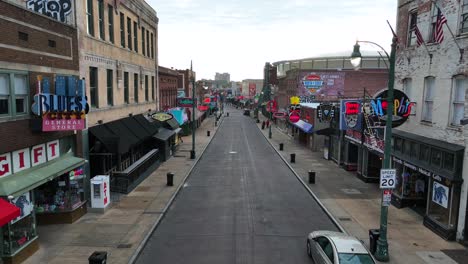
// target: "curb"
[[337, 224], [142, 244]]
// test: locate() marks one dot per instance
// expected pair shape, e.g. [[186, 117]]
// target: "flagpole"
[[462, 51]]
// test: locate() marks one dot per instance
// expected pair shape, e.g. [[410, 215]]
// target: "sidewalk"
[[122, 228], [356, 206]]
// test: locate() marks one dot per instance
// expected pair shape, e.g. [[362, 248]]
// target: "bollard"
[[170, 179], [227, 114], [216, 123], [312, 177], [281, 146], [258, 121], [208, 133], [293, 158]]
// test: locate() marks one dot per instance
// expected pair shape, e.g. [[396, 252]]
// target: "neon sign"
[[401, 107]]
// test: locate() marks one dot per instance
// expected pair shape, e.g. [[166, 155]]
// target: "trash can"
[[170, 179], [293, 158], [98, 257], [281, 146], [373, 237], [312, 177], [208, 133]]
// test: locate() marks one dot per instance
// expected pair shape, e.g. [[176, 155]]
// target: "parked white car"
[[329, 247]]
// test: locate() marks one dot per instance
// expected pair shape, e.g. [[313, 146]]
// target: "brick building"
[[41, 146], [187, 78], [430, 148], [168, 84]]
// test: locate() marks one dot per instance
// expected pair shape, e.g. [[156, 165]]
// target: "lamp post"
[[192, 152], [381, 252]]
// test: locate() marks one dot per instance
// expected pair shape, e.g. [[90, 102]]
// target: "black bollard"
[[293, 158], [312, 177], [170, 179], [258, 121], [208, 133], [281, 146], [227, 114]]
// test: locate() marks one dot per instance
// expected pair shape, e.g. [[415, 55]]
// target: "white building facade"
[[429, 150]]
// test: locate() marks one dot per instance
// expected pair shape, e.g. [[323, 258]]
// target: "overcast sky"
[[239, 36]]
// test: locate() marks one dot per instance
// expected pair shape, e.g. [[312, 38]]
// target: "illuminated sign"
[[325, 112], [350, 114], [63, 110], [185, 102], [161, 116], [279, 115], [401, 108]]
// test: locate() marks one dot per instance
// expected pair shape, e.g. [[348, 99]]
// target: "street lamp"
[[192, 152], [381, 252]]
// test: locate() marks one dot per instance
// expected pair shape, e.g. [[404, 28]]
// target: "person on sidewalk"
[[180, 138]]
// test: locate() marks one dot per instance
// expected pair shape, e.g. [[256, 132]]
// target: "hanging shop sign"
[[76, 174], [294, 109], [185, 102], [401, 108], [316, 84], [66, 109], [162, 117], [325, 113], [350, 114], [295, 100], [19, 160]]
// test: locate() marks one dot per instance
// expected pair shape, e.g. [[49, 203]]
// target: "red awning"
[[8, 212]]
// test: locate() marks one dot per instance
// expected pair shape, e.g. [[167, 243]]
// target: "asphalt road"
[[241, 204]]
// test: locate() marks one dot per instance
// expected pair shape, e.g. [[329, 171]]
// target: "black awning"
[[136, 128], [106, 137], [172, 123], [164, 134], [126, 138], [326, 131], [429, 141], [150, 127]]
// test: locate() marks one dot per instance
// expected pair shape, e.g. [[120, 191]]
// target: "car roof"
[[347, 244]]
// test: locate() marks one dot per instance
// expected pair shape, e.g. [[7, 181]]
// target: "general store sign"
[[162, 117], [63, 110], [22, 159], [185, 102]]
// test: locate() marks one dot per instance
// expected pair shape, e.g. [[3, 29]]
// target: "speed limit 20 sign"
[[387, 178]]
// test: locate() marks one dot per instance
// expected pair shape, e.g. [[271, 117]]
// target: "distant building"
[[168, 84], [251, 87], [223, 77]]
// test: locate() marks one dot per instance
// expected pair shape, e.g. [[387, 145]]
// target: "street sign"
[[386, 197], [387, 178]]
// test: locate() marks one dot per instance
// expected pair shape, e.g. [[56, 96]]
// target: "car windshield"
[[351, 258]]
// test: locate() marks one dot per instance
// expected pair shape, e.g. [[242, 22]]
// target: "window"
[[414, 150], [152, 88], [147, 43], [143, 41], [449, 160], [122, 30], [464, 17], [23, 36], [398, 144], [425, 151], [126, 100], [428, 98], [101, 19], [135, 36], [90, 15], [93, 86], [413, 19], [407, 86], [458, 100], [326, 247], [52, 43], [129, 33], [110, 87], [152, 46], [146, 88], [436, 157], [434, 11], [135, 87], [110, 18], [14, 91]]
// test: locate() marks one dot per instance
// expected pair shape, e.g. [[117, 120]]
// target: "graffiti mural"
[[60, 10]]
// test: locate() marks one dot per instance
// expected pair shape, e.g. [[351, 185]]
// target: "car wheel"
[[309, 249]]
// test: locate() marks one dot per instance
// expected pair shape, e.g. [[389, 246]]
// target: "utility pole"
[[192, 152]]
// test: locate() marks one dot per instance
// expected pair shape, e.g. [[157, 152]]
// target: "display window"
[[21, 230], [410, 183], [443, 203], [62, 194]]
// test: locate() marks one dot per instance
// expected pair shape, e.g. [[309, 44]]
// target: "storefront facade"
[[429, 178]]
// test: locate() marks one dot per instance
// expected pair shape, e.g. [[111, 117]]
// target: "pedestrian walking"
[[268, 123]]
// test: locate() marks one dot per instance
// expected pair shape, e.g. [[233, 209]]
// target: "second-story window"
[[93, 86], [152, 46], [146, 88], [101, 19], [407, 83], [152, 88], [90, 18], [122, 30], [135, 36], [110, 18], [429, 83], [147, 43], [464, 17], [129, 33], [413, 18], [126, 93], [135, 87], [458, 99], [143, 41], [110, 87]]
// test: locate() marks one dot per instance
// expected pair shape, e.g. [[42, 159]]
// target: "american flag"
[[439, 32], [419, 37]]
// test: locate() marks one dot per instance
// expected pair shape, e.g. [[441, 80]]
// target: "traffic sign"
[[386, 197], [387, 178]]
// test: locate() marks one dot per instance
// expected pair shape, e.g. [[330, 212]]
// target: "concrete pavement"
[[356, 205], [123, 228]]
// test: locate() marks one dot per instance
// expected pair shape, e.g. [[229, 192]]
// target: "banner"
[[252, 89], [321, 84], [350, 114]]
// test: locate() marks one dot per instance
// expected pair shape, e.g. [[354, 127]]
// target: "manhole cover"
[[124, 246]]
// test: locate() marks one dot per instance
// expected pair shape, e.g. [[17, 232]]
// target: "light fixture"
[[356, 56]]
